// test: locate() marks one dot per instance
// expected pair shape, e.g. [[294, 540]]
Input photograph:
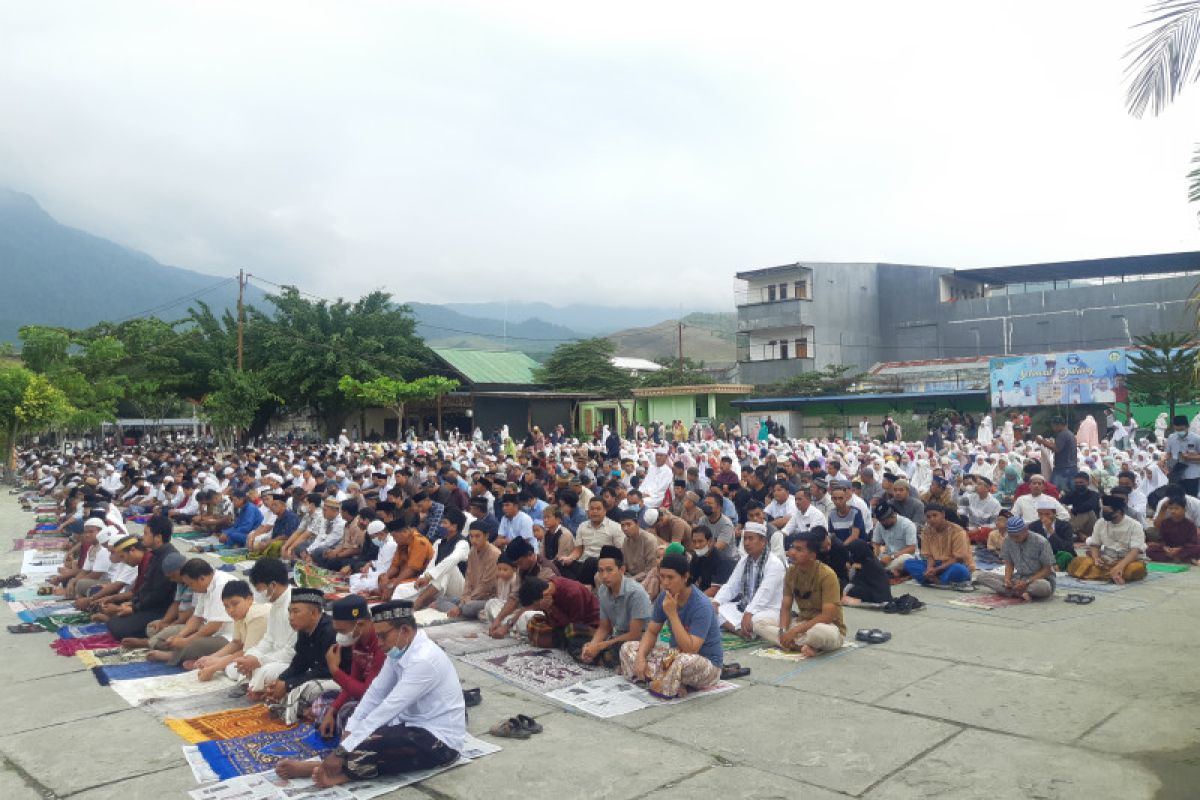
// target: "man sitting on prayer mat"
[[529, 563], [1115, 547], [570, 608], [480, 584], [442, 582], [249, 627], [1028, 565], [249, 518], [946, 554], [153, 591], [263, 662], [367, 580], [412, 716], [352, 621], [812, 587], [304, 679], [413, 553], [210, 627], [624, 610], [694, 657], [755, 586]]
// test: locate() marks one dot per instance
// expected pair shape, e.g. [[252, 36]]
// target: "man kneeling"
[[412, 716], [1028, 565], [694, 658]]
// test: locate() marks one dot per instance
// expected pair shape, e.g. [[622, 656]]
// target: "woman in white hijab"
[[1007, 435], [981, 469], [922, 476], [985, 434], [1161, 425]]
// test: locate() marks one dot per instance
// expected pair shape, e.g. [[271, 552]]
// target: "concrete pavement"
[[1045, 701]]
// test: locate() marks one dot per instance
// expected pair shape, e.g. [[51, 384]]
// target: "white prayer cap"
[[651, 516], [1045, 503], [271, 476], [108, 468], [375, 527], [109, 535], [95, 522], [755, 527], [229, 470], [660, 451], [341, 473]]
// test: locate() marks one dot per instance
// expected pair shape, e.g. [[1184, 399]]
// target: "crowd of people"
[[593, 546]]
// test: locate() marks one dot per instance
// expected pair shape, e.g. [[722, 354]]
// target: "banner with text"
[[1060, 379]]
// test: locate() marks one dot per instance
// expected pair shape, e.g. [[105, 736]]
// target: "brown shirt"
[[641, 554], [481, 574], [950, 544], [812, 589], [417, 555], [673, 529]]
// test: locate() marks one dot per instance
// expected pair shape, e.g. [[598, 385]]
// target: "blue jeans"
[[956, 573]]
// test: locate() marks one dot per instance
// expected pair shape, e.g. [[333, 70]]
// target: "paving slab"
[[739, 782], [872, 673], [824, 741], [995, 766], [1028, 705], [624, 764], [1161, 724], [14, 787], [61, 699], [172, 782], [103, 750]]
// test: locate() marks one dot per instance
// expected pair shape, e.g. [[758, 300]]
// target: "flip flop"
[[472, 697], [1079, 599], [528, 723], [863, 634], [731, 671], [509, 729], [878, 637]]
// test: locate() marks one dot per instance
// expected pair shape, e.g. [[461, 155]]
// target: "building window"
[[801, 292], [802, 347], [783, 349], [783, 291], [771, 293], [770, 349]]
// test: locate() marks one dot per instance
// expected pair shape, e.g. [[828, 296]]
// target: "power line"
[[170, 303]]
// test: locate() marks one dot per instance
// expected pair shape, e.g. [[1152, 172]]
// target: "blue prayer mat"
[[34, 614], [260, 752], [127, 672], [82, 631]]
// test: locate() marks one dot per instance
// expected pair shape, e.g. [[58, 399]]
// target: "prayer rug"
[[128, 672], [57, 623], [209, 701], [1069, 583], [729, 641], [536, 669], [138, 691], [986, 558], [59, 608], [986, 601], [28, 594], [784, 655], [84, 631], [111, 656], [228, 724], [259, 752], [69, 647], [1154, 566]]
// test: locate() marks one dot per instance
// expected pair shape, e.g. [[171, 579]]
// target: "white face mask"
[[702, 551], [345, 639]]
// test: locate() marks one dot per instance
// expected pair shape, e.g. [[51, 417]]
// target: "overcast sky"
[[634, 154]]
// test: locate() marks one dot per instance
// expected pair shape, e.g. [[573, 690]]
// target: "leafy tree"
[[395, 395], [1163, 368], [585, 366], [833, 379], [43, 406], [233, 405], [690, 373], [13, 381], [85, 370], [307, 346]]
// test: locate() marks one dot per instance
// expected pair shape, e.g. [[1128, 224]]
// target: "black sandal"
[[731, 671], [472, 697], [26, 627], [527, 723]]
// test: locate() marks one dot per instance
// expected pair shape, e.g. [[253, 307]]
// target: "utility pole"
[[241, 319], [681, 347]]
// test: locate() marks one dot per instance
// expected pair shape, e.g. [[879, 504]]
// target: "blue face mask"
[[397, 653], [633, 507]]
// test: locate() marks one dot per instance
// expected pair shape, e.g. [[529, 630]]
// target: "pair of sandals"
[[26, 627], [872, 636], [904, 604], [1080, 599], [519, 727], [12, 581]]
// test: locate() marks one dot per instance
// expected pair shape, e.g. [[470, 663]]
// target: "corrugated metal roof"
[[490, 366], [1155, 264]]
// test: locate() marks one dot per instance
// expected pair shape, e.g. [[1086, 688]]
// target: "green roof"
[[490, 366]]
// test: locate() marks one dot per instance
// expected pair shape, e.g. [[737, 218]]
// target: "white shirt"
[[770, 589], [328, 532], [210, 608], [278, 645], [438, 569], [383, 561], [99, 559], [775, 509], [120, 572], [657, 485], [1191, 510], [420, 689], [804, 521], [1026, 505], [111, 483]]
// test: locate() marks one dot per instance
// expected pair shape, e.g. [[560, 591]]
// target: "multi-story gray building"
[[804, 316]]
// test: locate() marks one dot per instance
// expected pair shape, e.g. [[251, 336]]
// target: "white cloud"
[[622, 153]]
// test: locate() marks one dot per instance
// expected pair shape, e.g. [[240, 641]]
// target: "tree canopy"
[[585, 366], [833, 379], [1163, 369]]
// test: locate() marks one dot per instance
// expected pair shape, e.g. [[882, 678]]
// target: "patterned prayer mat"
[[535, 669], [784, 655], [228, 724], [986, 601], [136, 692], [129, 672], [111, 656], [262, 751], [82, 631], [61, 608]]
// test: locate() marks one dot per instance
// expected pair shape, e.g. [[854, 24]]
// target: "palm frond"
[[1163, 59]]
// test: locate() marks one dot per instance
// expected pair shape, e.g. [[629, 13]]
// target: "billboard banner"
[[1060, 379]]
